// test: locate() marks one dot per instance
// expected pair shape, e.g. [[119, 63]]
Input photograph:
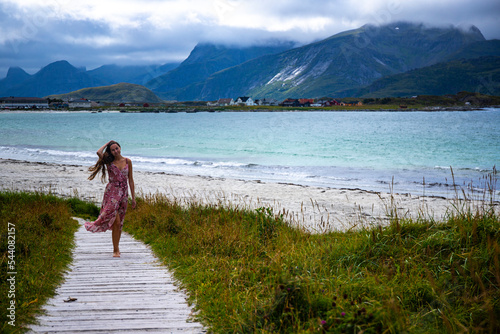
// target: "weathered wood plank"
[[130, 294]]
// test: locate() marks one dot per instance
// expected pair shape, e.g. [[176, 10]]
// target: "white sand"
[[315, 208]]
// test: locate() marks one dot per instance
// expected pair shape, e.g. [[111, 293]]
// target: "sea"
[[419, 153]]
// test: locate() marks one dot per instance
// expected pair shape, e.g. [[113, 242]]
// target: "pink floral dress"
[[115, 200]]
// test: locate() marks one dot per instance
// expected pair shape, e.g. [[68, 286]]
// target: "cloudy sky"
[[91, 33]]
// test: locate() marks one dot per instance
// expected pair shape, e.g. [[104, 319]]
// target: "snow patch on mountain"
[[288, 73]]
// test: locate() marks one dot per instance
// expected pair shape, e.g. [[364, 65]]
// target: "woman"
[[114, 204]]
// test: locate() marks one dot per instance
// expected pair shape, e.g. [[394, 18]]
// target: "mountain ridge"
[[342, 63], [349, 59], [206, 59]]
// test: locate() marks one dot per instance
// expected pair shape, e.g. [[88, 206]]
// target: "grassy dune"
[[249, 271]]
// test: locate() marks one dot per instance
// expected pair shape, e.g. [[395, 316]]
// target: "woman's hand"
[[133, 203]]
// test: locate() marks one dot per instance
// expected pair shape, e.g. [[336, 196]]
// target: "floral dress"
[[115, 200]]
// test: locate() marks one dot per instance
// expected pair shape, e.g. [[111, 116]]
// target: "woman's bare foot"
[[116, 254]]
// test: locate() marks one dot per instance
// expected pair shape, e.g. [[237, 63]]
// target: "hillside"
[[113, 74], [344, 61], [118, 93], [206, 59], [481, 75], [478, 49]]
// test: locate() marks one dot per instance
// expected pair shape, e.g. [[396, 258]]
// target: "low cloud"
[[94, 32]]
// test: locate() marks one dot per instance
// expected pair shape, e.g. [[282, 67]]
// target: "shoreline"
[[314, 208], [138, 110]]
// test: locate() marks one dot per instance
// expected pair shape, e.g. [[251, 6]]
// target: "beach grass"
[[37, 238], [250, 271]]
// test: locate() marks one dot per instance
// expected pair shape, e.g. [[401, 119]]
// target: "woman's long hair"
[[101, 164]]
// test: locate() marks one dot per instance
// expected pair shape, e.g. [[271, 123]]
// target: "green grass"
[[42, 230], [248, 271]]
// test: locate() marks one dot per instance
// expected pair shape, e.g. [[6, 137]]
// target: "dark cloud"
[[34, 36]]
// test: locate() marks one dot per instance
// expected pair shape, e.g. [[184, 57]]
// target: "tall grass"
[[44, 231], [249, 271]]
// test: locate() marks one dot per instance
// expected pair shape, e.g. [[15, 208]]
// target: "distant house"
[[244, 100], [356, 103], [212, 104], [268, 102], [225, 102], [330, 103], [80, 103], [306, 102], [290, 103], [12, 102]]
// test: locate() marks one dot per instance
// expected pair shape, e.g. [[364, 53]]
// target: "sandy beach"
[[317, 209]]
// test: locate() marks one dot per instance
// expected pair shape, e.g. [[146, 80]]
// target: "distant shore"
[[314, 208], [139, 110]]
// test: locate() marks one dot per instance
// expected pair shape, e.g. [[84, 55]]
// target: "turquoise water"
[[366, 150]]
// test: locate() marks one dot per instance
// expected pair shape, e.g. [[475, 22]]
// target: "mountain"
[[61, 77], [113, 74], [15, 77], [481, 75], [55, 78], [347, 60], [342, 64], [206, 59], [122, 92]]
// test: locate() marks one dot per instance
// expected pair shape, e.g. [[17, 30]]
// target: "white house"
[[244, 100]]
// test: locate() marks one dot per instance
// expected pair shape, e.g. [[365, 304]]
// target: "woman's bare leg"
[[116, 234]]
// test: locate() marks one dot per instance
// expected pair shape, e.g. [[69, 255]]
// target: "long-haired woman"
[[114, 203]]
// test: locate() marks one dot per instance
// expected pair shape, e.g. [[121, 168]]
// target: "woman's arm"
[[131, 181], [100, 151]]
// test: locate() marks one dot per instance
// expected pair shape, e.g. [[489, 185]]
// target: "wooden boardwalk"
[[130, 294]]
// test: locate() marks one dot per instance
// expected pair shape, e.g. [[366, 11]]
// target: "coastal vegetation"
[[251, 271], [41, 229]]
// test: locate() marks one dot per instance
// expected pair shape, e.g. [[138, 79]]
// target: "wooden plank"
[[130, 294]]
